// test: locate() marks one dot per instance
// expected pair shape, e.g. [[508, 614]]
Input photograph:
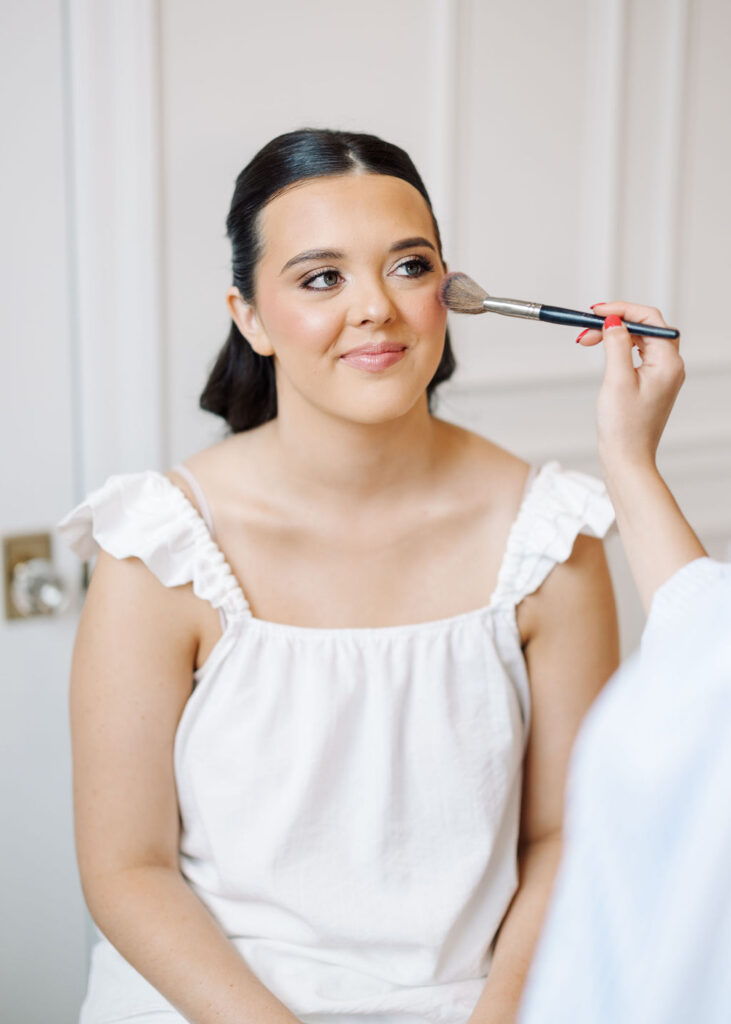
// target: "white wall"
[[575, 150]]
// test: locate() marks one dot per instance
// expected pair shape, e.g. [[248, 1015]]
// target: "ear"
[[244, 316]]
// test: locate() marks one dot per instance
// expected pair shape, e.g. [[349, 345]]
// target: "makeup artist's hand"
[[634, 402], [632, 409]]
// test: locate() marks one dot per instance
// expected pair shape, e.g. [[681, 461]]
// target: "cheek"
[[304, 326], [427, 316]]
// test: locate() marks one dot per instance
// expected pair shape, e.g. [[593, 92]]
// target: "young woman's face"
[[349, 262]]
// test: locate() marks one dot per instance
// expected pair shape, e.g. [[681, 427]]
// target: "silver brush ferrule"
[[512, 307]]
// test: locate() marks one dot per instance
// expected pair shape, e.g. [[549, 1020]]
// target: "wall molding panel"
[[113, 78], [446, 29], [604, 142], [669, 167]]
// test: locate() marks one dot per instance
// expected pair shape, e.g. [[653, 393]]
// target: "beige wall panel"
[[705, 256], [522, 113], [644, 159]]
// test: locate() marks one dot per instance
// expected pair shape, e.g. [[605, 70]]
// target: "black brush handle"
[[575, 318]]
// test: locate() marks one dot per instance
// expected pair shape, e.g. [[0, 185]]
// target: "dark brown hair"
[[241, 387]]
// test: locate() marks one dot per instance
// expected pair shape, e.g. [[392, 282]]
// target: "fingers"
[[634, 402], [631, 311], [628, 311], [618, 344], [662, 369]]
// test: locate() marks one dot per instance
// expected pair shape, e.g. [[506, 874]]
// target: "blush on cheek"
[[302, 327], [428, 317]]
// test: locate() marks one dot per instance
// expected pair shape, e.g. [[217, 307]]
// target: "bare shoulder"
[[234, 458], [125, 599], [494, 476], [578, 591]]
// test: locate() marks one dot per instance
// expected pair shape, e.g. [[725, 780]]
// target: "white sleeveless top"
[[349, 797]]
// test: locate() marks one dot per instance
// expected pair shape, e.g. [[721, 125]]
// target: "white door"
[[80, 400], [45, 927]]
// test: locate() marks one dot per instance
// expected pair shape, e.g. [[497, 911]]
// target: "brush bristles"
[[460, 294]]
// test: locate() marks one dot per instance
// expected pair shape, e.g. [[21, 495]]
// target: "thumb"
[[618, 346]]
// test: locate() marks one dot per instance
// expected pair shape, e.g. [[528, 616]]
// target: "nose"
[[370, 305]]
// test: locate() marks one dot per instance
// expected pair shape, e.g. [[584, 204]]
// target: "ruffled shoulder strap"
[[558, 505], [145, 515]]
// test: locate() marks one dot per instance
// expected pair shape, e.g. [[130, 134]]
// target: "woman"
[[329, 671]]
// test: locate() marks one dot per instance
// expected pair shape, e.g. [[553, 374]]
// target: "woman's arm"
[[131, 677], [571, 651], [656, 536], [632, 409]]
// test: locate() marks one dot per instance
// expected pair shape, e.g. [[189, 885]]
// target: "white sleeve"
[[639, 926], [703, 581]]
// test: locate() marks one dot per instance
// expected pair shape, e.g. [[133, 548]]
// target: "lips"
[[374, 357], [374, 350]]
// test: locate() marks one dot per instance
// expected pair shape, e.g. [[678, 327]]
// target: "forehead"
[[341, 211]]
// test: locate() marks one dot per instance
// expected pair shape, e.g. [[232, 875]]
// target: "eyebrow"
[[335, 254]]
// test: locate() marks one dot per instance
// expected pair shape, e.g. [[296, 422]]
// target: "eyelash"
[[425, 264]]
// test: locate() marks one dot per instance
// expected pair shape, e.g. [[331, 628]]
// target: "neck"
[[320, 455]]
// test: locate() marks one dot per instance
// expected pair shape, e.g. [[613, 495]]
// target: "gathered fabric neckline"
[[205, 537], [148, 516]]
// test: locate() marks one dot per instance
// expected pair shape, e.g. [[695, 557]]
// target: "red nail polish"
[[598, 304], [582, 335], [613, 321]]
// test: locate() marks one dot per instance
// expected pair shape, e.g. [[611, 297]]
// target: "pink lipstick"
[[374, 357]]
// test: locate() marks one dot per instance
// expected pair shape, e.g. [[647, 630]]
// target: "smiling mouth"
[[374, 358], [374, 350]]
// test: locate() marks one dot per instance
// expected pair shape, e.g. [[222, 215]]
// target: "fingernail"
[[612, 321], [582, 335], [597, 304]]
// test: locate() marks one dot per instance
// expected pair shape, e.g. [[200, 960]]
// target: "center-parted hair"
[[241, 387]]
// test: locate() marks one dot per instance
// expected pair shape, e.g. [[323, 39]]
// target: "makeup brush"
[[461, 294]]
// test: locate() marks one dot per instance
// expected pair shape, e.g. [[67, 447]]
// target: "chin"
[[384, 407]]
